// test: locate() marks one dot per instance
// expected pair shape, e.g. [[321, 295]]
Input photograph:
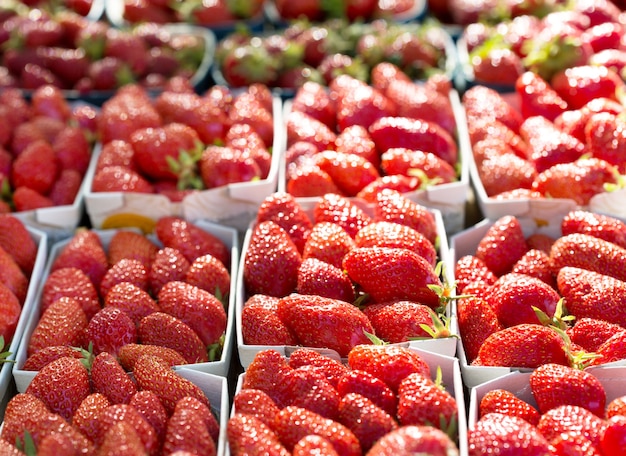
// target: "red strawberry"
[[151, 409], [554, 385], [499, 432], [537, 97], [604, 135], [116, 153], [613, 349], [168, 264], [13, 233], [613, 438], [120, 179], [245, 138], [365, 419], [506, 172], [470, 268], [398, 182], [224, 165], [61, 385], [414, 439], [359, 103], [123, 438], [338, 209], [602, 226], [84, 251], [126, 270], [495, 131], [72, 149], [314, 99], [35, 167], [155, 374], [310, 390], [367, 385], [410, 161], [63, 323], [316, 277], [11, 310], [271, 261], [109, 378], [328, 242], [256, 403], [283, 209], [313, 443], [616, 407], [210, 274], [48, 354], [249, 108], [483, 102], [303, 127], [160, 328], [260, 324], [266, 373], [130, 353], [502, 245], [331, 368], [507, 403], [477, 321], [580, 84], [55, 443], [567, 417], [392, 206], [74, 283], [109, 330], [588, 252], [324, 322], [115, 414], [375, 268], [196, 307], [134, 301], [350, 172], [187, 432], [248, 435], [525, 345], [591, 333], [131, 245], [493, 64], [66, 188], [536, 263], [579, 180], [306, 179]]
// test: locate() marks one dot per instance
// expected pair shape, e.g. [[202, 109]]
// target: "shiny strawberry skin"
[[496, 431], [507, 403]]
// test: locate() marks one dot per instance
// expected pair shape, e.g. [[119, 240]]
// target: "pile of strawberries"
[[383, 400], [303, 275], [529, 301], [570, 413], [354, 138], [45, 148], [180, 141]]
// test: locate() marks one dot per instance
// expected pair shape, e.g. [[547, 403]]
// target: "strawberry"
[[36, 167], [123, 438], [87, 414], [148, 404], [327, 242], [392, 206], [613, 438], [196, 307], [306, 358], [168, 264], [130, 353], [580, 84], [13, 233], [492, 64], [210, 274], [160, 328], [396, 235], [554, 385], [338, 209], [131, 245], [412, 161], [133, 272], [496, 432], [303, 127], [365, 384], [120, 179], [11, 310], [61, 385], [506, 172], [248, 435], [605, 138], [292, 423], [283, 209], [404, 132], [109, 378], [306, 179], [84, 251], [109, 330], [507, 403], [502, 245], [525, 345], [220, 166], [389, 363], [536, 263], [616, 407], [124, 413], [374, 268], [496, 132], [256, 403], [63, 323], [566, 417], [477, 321], [132, 300], [260, 324], [155, 374], [398, 182], [243, 137], [365, 419], [350, 172], [537, 97], [310, 389], [187, 432], [72, 149], [310, 444], [250, 108], [359, 103], [483, 102], [324, 322], [55, 443], [74, 283], [314, 99], [588, 252], [416, 440], [602, 226], [591, 333], [206, 415], [266, 372], [316, 277], [613, 349], [470, 268], [65, 189], [271, 261], [48, 354]]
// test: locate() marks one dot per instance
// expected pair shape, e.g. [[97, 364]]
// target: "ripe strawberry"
[[245, 138], [87, 414], [266, 372], [350, 172], [257, 403], [396, 235], [580, 84], [187, 432], [148, 404], [477, 321], [536, 263], [271, 261], [588, 252], [63, 323], [109, 330], [283, 209], [127, 270], [306, 179], [55, 443], [314, 99], [154, 373], [249, 108], [367, 385], [324, 322], [310, 389], [124, 413], [123, 438], [525, 345], [310, 444], [604, 136], [407, 161], [84, 251], [61, 385], [537, 97], [316, 277], [65, 189], [389, 363], [248, 435], [109, 378], [328, 242], [72, 149], [74, 283], [190, 239], [398, 182], [160, 328], [567, 417], [486, 103], [365, 419], [131, 245], [502, 245], [305, 358], [495, 131], [198, 308], [35, 167], [303, 127], [210, 274], [616, 407], [356, 140], [48, 354], [374, 268], [130, 353], [416, 440], [507, 403], [134, 301], [206, 415], [361, 104], [260, 324], [506, 172], [338, 209], [120, 179], [292, 423], [13, 233], [613, 438], [602, 226], [579, 180], [613, 349], [11, 310], [116, 153], [169, 264], [496, 432], [470, 268], [591, 333]]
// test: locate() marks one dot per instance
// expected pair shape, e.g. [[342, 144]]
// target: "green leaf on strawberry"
[[4, 354]]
